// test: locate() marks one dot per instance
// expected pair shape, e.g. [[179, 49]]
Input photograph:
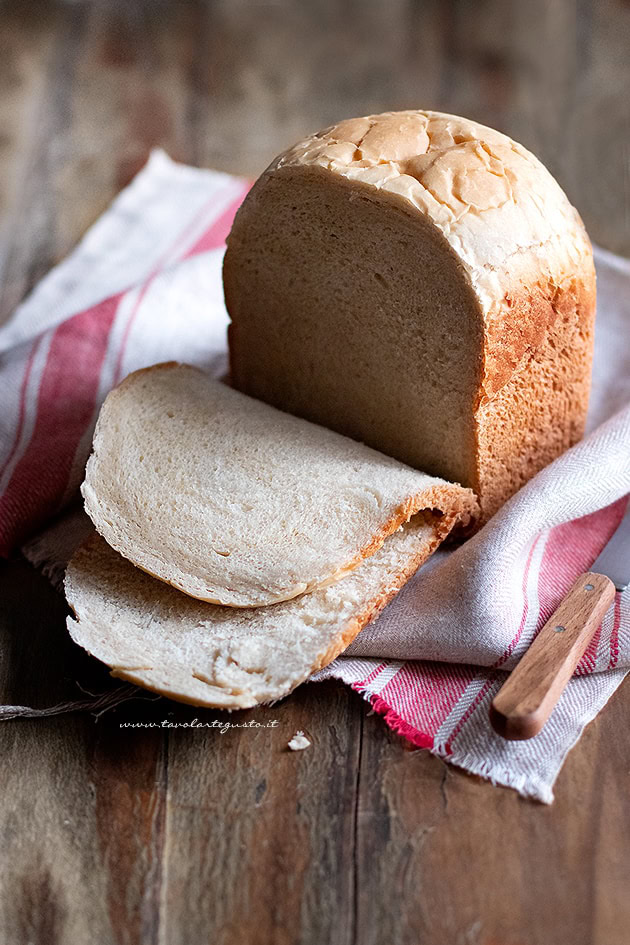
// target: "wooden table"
[[151, 835]]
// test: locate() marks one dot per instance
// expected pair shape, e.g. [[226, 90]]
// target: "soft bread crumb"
[[234, 502], [235, 658], [299, 742]]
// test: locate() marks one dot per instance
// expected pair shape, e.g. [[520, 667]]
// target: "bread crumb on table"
[[299, 742]]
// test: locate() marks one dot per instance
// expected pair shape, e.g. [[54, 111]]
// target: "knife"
[[526, 700]]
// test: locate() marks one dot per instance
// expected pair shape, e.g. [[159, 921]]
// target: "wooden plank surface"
[[151, 835]]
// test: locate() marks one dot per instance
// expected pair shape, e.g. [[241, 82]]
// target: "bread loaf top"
[[491, 197], [506, 219]]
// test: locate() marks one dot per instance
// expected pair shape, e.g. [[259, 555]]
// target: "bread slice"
[[419, 282], [229, 658], [236, 503]]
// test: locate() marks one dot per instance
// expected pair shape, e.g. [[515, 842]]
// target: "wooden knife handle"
[[526, 700]]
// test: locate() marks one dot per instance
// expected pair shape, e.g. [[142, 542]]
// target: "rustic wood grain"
[[441, 858], [151, 835], [81, 808], [260, 838]]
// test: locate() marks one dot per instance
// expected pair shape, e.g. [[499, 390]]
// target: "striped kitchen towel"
[[143, 286]]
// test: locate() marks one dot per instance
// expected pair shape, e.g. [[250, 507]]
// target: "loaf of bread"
[[235, 503], [231, 658], [418, 282]]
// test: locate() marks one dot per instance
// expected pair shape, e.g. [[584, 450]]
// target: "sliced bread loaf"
[[236, 503], [421, 283], [152, 635]]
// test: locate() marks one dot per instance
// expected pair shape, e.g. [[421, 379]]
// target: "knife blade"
[[524, 703], [614, 561]]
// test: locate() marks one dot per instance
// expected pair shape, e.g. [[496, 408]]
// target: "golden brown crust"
[[455, 505], [443, 527], [540, 412], [530, 307]]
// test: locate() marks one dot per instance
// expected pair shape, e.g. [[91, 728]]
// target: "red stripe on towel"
[[66, 401], [22, 407], [399, 725], [571, 549], [427, 693], [216, 235]]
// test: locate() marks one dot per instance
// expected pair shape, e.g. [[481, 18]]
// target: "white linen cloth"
[[144, 286]]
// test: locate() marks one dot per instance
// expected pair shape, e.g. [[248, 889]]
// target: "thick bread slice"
[[154, 636], [236, 503]]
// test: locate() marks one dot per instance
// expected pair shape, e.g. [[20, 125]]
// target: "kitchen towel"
[[143, 286]]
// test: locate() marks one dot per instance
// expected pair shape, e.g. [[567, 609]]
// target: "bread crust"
[[541, 410], [439, 501], [443, 525]]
